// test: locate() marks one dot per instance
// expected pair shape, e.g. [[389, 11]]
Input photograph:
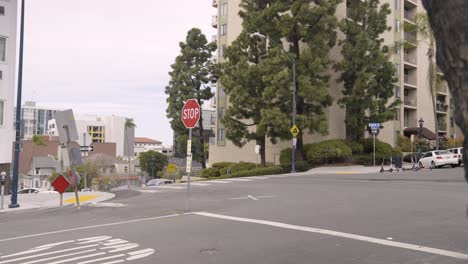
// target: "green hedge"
[[301, 166], [256, 172], [329, 151], [235, 167], [220, 165], [209, 173], [356, 148]]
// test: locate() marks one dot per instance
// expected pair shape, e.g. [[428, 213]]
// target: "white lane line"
[[379, 241], [77, 258], [251, 197], [171, 187], [46, 254], [57, 257], [258, 177], [199, 184], [100, 259], [236, 179], [218, 181], [91, 227]]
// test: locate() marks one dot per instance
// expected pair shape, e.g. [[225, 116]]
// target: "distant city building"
[[103, 129], [34, 119], [143, 144], [8, 51]]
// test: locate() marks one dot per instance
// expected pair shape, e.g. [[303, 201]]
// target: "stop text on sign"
[[190, 113]]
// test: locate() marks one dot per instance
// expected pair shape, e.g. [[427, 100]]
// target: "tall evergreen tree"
[[190, 77], [242, 78], [368, 75], [307, 31]]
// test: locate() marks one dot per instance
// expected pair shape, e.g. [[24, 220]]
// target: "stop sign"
[[191, 113]]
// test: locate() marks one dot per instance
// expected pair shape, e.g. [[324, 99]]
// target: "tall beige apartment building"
[[412, 88]]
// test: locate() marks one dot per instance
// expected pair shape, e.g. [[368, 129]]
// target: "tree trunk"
[[432, 72], [262, 151], [449, 22], [201, 139]]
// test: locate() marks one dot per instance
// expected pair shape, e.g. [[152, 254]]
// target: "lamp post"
[[293, 62], [421, 125], [14, 183]]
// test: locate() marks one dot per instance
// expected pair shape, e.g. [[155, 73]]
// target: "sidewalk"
[[51, 200], [347, 170]]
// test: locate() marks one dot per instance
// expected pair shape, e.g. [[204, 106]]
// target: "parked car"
[[459, 153], [439, 158], [157, 182], [28, 190]]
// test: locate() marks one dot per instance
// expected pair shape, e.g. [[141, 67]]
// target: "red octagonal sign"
[[191, 113]]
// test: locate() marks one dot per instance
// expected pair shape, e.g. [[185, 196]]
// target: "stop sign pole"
[[190, 116]]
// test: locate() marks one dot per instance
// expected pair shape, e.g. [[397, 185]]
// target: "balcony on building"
[[214, 21], [410, 120], [410, 58], [409, 15], [411, 3], [441, 105], [214, 3], [411, 38], [410, 77], [442, 126], [410, 102], [443, 88]]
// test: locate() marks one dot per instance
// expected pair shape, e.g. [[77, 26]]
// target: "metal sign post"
[[190, 116], [375, 127]]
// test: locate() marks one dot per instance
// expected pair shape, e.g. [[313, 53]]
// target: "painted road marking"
[[379, 241], [255, 198], [171, 187], [237, 179], [346, 172], [199, 184], [104, 246], [92, 227], [218, 181], [116, 205], [83, 198]]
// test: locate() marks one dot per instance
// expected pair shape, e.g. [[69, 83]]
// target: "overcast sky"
[[108, 57]]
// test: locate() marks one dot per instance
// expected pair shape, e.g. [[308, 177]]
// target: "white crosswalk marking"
[[99, 250], [218, 181], [199, 184], [236, 179]]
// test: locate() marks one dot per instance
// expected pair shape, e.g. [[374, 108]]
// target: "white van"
[[459, 152]]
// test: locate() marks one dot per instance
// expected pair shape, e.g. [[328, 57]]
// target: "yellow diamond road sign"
[[171, 167], [294, 131]]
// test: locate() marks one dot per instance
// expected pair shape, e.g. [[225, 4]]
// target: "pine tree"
[[190, 77], [368, 75], [307, 31]]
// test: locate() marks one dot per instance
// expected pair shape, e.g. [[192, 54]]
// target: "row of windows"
[[3, 49]]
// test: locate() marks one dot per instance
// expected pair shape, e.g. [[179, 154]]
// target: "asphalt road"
[[405, 217]]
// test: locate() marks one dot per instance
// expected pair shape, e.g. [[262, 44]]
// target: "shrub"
[[356, 148], [329, 151], [209, 173], [301, 166], [220, 165], [257, 172], [286, 156], [235, 167]]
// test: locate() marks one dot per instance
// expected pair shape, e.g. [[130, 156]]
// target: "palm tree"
[[424, 30], [129, 123]]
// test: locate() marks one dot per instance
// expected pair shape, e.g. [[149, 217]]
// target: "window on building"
[[222, 50], [397, 25], [397, 68], [2, 10], [3, 48], [2, 107], [397, 92], [397, 114], [397, 4], [221, 92], [223, 9], [1, 75], [220, 112], [221, 134], [397, 47], [223, 30]]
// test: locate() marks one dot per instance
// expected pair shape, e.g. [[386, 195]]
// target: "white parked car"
[[459, 153], [438, 158]]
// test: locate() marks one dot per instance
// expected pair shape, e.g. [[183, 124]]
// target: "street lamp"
[[293, 62], [14, 183]]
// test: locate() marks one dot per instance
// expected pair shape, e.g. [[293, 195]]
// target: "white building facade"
[[8, 49], [103, 129], [34, 119]]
